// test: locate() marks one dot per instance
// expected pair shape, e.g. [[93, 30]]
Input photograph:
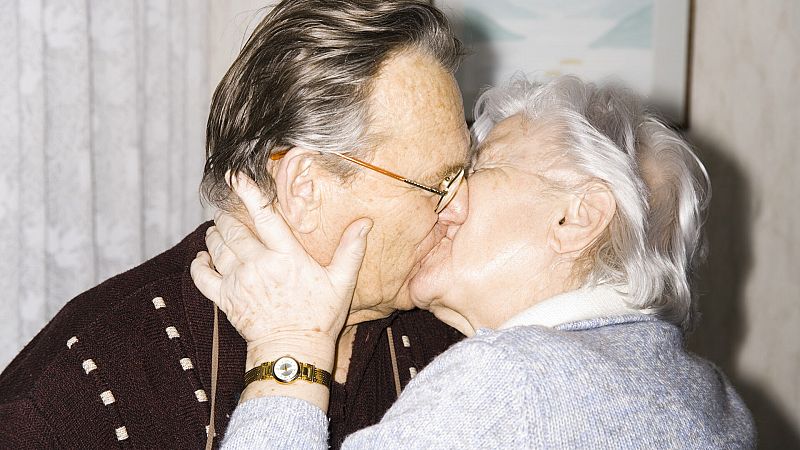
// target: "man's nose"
[[455, 213]]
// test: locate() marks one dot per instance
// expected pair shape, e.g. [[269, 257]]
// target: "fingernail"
[[198, 254], [365, 229], [209, 230], [228, 177]]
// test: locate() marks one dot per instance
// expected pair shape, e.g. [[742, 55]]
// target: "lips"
[[445, 243], [431, 241]]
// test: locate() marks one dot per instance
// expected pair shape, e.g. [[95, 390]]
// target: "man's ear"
[[298, 190], [584, 217]]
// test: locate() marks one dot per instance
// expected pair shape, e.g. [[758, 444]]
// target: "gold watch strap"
[[260, 372], [311, 373], [307, 372]]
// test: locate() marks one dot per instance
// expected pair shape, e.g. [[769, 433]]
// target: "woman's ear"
[[298, 190], [582, 219]]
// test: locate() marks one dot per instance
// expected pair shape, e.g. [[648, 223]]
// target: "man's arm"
[[22, 426]]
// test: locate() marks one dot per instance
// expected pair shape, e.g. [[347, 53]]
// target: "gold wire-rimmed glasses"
[[447, 189]]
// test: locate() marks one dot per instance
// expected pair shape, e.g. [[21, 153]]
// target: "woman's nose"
[[455, 213]]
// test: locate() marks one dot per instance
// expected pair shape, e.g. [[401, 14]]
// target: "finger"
[[207, 280], [238, 237], [222, 258], [271, 228], [343, 269]]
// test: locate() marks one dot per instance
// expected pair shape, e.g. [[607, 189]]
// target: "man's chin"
[[403, 300]]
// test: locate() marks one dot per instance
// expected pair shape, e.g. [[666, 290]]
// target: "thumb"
[[207, 280], [343, 269]]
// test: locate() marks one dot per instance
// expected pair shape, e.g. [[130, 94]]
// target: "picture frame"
[[643, 44]]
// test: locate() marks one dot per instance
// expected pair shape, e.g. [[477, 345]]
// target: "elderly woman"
[[571, 272]]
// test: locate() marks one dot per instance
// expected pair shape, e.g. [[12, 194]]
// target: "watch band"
[[296, 370]]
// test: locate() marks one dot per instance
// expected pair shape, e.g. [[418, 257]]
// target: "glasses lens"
[[451, 189]]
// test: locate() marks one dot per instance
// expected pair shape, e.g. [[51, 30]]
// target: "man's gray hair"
[[303, 79], [661, 188]]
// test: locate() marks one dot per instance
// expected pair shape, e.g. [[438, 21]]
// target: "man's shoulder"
[[162, 267], [119, 331], [101, 302]]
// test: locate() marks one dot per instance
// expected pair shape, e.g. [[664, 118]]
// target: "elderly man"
[[339, 110]]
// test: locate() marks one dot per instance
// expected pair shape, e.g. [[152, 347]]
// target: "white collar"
[[582, 304]]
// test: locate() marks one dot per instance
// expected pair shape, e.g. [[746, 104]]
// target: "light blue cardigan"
[[623, 380]]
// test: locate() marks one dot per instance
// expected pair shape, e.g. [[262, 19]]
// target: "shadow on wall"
[[480, 61], [722, 328]]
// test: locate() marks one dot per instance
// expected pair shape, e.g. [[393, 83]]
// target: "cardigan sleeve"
[[23, 427], [468, 397]]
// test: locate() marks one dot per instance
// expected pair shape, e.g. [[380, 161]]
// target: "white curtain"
[[102, 122]]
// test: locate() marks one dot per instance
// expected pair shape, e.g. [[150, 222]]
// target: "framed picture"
[[642, 43]]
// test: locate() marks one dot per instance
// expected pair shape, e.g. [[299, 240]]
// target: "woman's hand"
[[278, 297]]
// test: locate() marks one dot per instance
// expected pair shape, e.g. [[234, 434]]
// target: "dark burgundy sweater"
[[127, 364]]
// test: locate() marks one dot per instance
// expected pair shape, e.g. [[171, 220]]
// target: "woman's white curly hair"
[[661, 188]]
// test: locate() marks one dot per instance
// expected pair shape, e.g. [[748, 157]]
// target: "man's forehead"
[[416, 108], [443, 159], [414, 93]]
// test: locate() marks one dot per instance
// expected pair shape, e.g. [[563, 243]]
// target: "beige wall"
[[230, 21], [745, 118]]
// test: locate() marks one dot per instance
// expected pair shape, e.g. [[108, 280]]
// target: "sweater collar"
[[581, 304]]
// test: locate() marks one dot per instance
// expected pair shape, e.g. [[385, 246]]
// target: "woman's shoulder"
[[601, 335], [519, 345], [474, 394], [626, 367], [481, 355]]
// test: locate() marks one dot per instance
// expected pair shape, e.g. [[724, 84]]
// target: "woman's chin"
[[432, 279]]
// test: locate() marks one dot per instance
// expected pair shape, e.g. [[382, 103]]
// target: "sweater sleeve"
[[22, 426], [277, 422], [466, 398]]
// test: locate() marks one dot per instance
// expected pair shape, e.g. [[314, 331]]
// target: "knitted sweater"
[[623, 381], [127, 363]]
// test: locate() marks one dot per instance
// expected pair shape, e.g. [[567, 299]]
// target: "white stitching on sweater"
[[180, 354], [122, 433], [412, 371], [201, 395], [406, 341], [88, 366], [172, 332], [107, 397], [158, 302]]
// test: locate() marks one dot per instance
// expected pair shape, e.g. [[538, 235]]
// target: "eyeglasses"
[[447, 189]]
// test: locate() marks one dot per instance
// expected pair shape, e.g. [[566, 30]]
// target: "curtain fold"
[[102, 125]]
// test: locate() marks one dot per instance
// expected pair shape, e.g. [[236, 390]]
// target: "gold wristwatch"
[[287, 370]]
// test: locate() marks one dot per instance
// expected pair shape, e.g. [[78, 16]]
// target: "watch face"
[[285, 369]]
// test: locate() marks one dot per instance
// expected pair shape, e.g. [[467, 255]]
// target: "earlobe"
[[298, 190], [584, 218]]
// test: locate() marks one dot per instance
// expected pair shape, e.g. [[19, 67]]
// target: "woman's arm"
[[475, 395]]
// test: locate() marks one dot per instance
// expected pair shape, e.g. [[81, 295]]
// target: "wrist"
[[308, 347]]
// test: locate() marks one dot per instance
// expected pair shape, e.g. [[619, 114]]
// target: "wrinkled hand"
[[266, 283]]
